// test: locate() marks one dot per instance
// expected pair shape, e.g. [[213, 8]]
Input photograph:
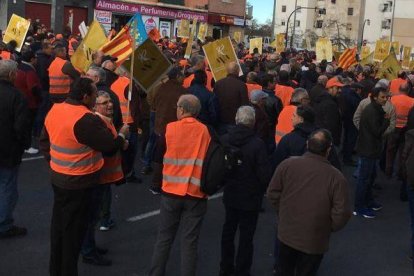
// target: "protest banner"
[[382, 49], [365, 51], [256, 43], [220, 53], [184, 29], [324, 50], [190, 41], [16, 30], [406, 58], [389, 67], [202, 32]]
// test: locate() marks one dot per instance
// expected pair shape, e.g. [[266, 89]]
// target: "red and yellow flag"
[[347, 58], [119, 47]]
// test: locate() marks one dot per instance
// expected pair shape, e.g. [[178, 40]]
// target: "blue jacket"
[[209, 104]]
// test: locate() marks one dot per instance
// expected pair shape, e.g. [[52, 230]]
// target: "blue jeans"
[[8, 196], [410, 194], [88, 245], [149, 149], [365, 180]]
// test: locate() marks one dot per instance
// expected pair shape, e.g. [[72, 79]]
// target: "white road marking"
[[32, 158], [157, 212]]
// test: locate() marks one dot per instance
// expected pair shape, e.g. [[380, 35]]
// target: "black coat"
[[309, 79], [328, 116], [42, 69], [349, 104], [209, 104], [15, 127], [371, 129], [294, 144], [246, 185], [316, 92], [273, 107]]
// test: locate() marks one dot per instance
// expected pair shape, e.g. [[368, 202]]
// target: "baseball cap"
[[334, 82], [257, 95]]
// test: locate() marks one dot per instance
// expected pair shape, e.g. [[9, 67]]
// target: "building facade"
[[223, 16]]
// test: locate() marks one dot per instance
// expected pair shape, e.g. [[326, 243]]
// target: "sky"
[[262, 10]]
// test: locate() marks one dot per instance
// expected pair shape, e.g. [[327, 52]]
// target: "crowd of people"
[[284, 105]]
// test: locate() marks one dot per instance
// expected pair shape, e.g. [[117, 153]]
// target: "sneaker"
[[365, 212], [107, 225], [155, 190], [375, 206], [146, 170], [32, 151], [96, 259], [13, 232]]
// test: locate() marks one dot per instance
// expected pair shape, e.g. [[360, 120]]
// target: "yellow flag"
[[389, 67], [382, 49], [365, 51], [190, 41], [202, 32], [94, 40], [256, 43], [237, 37], [396, 46], [16, 30], [184, 29], [150, 65], [324, 49], [368, 59], [406, 57], [219, 53], [279, 43]]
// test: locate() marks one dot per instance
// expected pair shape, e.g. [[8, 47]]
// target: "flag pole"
[[131, 76]]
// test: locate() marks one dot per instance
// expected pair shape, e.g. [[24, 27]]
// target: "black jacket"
[[309, 79], [15, 134], [294, 144], [368, 85], [349, 104], [42, 69], [273, 107], [209, 104], [328, 116], [316, 92], [246, 185], [371, 129]]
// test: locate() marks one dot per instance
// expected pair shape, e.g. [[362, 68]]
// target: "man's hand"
[[124, 130]]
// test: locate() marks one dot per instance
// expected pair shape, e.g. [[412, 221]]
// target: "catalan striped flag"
[[120, 46], [348, 58]]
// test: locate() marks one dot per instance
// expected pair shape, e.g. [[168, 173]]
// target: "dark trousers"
[[350, 138], [395, 144], [152, 139], [128, 156], [69, 223], [410, 195], [106, 204], [365, 181], [297, 263], [246, 222], [89, 245], [175, 211]]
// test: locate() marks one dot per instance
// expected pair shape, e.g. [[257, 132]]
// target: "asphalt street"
[[377, 247]]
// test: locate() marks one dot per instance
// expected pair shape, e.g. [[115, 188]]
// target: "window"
[[386, 24], [319, 24], [333, 1], [349, 27], [297, 23], [283, 8], [350, 11], [283, 23]]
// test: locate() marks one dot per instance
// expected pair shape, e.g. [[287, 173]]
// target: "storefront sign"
[[226, 20], [122, 7], [238, 21]]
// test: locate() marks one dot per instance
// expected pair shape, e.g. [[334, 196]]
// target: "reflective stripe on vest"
[[111, 171], [187, 143], [58, 81], [284, 125], [67, 155], [119, 87]]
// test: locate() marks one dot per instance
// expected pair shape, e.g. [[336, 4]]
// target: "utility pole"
[[392, 22], [274, 20], [294, 24]]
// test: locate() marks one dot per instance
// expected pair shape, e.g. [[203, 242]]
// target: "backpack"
[[221, 160]]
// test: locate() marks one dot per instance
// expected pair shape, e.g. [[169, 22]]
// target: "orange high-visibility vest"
[[251, 87], [111, 171], [5, 54], [187, 143], [395, 85], [68, 156], [59, 82], [119, 87], [403, 105], [284, 93], [71, 50], [187, 81], [284, 124]]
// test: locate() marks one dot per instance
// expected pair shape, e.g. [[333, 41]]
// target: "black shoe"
[[101, 251], [133, 179], [96, 259], [13, 232], [146, 170], [155, 190]]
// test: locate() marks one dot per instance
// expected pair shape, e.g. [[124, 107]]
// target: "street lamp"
[[321, 11], [363, 27]]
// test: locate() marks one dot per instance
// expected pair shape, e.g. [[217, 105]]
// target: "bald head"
[[320, 142], [188, 106], [322, 80], [232, 68]]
